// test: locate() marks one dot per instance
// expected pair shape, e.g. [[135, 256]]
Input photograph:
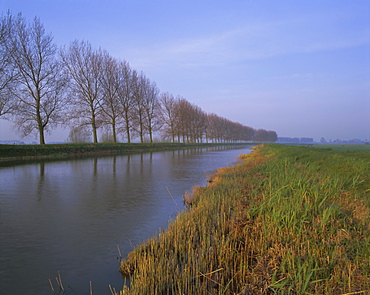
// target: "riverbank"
[[287, 220], [70, 150]]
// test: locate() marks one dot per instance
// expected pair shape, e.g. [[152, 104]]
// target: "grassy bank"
[[288, 220], [56, 151]]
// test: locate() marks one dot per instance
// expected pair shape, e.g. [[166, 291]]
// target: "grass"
[[287, 220]]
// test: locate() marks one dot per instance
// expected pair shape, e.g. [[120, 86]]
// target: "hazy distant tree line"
[[43, 86]]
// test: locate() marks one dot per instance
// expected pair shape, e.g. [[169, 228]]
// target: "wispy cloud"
[[251, 42]]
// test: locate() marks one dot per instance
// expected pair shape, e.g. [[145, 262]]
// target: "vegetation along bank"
[[72, 150], [287, 220]]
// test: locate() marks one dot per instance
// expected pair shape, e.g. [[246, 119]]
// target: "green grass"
[[288, 220]]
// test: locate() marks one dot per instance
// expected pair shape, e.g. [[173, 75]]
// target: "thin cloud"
[[252, 42]]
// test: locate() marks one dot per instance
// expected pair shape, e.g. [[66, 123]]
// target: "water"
[[69, 216]]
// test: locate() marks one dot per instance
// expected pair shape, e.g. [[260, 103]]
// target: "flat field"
[[287, 220], [345, 147]]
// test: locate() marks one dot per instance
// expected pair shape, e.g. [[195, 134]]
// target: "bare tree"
[[79, 134], [261, 135], [190, 121], [151, 109], [272, 136], [248, 133], [211, 127], [110, 83], [40, 81], [198, 123], [219, 129], [106, 136], [139, 84], [167, 114], [84, 65], [181, 114], [7, 70], [125, 97]]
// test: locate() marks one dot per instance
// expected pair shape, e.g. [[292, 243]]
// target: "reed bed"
[[287, 220]]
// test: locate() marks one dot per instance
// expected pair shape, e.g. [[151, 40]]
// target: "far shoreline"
[[14, 153]]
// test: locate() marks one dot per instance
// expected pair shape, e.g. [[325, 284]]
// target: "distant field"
[[345, 147]]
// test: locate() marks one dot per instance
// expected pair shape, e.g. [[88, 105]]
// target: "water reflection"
[[68, 216]]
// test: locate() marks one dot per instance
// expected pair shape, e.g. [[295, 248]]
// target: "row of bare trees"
[[185, 122], [42, 86]]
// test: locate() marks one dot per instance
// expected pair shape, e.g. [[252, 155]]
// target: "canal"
[[69, 216]]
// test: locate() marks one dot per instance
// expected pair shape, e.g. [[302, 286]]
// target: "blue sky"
[[301, 68]]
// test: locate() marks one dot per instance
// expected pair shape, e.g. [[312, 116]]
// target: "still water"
[[69, 216]]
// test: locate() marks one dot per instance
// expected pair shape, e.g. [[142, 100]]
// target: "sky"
[[300, 68]]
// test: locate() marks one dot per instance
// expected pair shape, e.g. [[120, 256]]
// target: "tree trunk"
[[41, 133], [141, 137], [141, 127], [128, 135], [127, 123], [95, 135], [114, 133], [151, 135]]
